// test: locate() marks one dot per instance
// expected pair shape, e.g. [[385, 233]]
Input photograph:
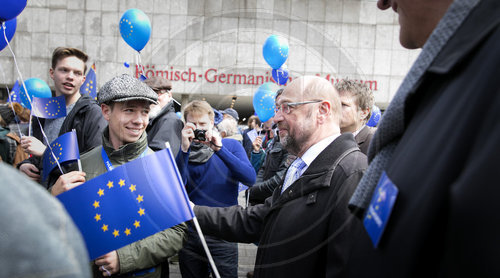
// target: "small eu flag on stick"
[[49, 108], [64, 148], [90, 84]]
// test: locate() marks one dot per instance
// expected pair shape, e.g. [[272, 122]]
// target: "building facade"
[[212, 49]]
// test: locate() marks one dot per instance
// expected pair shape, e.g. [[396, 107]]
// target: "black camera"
[[200, 135]]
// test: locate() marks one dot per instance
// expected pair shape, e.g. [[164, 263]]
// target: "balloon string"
[[10, 100], [19, 73], [29, 99]]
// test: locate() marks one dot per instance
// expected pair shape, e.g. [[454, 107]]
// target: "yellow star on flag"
[[96, 204], [137, 224], [140, 198], [141, 212], [110, 184], [121, 183], [100, 192], [116, 233], [132, 188], [127, 231], [104, 227], [97, 217]]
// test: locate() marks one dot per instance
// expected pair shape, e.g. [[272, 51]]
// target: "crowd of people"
[[328, 196]]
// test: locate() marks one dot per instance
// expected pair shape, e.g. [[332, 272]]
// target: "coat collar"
[[478, 25], [319, 174], [125, 153], [363, 134]]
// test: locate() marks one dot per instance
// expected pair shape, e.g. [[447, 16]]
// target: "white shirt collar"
[[311, 153]]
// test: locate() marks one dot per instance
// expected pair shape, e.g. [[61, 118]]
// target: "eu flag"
[[135, 200], [14, 96], [49, 107], [64, 148], [90, 84]]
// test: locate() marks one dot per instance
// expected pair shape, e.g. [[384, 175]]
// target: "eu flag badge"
[[49, 107], [134, 201], [90, 84], [64, 148], [14, 96], [380, 208]]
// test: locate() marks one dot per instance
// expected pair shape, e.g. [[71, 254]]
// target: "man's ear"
[[51, 73], [106, 111], [364, 113], [325, 111]]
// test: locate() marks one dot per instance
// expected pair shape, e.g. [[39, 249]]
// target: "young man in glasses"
[[304, 229], [164, 125]]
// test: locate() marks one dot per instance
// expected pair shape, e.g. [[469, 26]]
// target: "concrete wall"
[[330, 38]]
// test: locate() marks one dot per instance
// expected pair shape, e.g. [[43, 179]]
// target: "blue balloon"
[[126, 64], [280, 75], [263, 101], [275, 51], [135, 28], [375, 117], [10, 29], [11, 9], [36, 88], [179, 114]]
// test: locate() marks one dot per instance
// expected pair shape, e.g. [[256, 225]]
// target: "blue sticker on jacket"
[[380, 208]]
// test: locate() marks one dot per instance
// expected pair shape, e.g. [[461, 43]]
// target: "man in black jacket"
[[83, 113], [304, 229], [164, 125], [438, 144]]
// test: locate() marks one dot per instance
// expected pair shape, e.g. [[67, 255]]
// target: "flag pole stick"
[[195, 221], [78, 160], [205, 246]]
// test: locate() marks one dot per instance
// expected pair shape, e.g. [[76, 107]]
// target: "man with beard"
[[304, 228], [82, 112], [164, 125]]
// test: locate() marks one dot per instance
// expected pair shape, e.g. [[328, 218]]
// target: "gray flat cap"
[[124, 88]]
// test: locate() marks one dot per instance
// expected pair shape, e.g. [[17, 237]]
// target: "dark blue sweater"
[[215, 182]]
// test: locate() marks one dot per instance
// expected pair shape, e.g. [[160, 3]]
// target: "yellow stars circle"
[[97, 204]]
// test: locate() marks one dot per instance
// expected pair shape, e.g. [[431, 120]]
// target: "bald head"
[[315, 88]]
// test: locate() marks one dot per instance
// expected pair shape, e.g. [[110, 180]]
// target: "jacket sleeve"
[[235, 158], [169, 130], [152, 250], [93, 126], [262, 190], [182, 160], [233, 223], [256, 159], [343, 225]]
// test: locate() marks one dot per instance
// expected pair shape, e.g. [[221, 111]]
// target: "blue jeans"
[[193, 261]]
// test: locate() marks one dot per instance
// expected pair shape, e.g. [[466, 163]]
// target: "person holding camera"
[[211, 168]]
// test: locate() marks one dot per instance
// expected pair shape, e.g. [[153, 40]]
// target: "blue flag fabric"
[[49, 107], [14, 96], [65, 148], [90, 84], [129, 203]]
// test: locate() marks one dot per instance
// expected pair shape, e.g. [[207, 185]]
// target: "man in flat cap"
[[125, 104], [164, 126]]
